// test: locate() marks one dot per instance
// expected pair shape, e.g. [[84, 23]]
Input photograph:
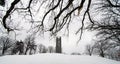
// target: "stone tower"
[[58, 45]]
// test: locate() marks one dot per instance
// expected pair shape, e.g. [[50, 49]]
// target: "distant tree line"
[[9, 46], [107, 49]]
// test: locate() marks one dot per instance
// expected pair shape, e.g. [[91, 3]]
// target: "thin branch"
[[49, 11], [112, 4]]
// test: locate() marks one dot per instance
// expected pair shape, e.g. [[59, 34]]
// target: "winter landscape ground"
[[55, 59]]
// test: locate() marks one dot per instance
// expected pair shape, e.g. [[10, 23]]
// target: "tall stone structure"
[[58, 45]]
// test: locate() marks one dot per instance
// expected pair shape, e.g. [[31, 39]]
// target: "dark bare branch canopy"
[[61, 17]]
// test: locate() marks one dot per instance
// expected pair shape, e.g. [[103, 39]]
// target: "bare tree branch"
[[8, 13]]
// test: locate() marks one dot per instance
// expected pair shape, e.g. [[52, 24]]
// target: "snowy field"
[[54, 59]]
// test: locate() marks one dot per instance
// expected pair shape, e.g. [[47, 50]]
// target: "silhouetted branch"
[[111, 4], [8, 13]]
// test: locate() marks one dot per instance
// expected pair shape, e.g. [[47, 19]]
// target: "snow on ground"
[[48, 58]]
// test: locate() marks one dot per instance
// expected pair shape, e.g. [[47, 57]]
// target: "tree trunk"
[[26, 51], [3, 51], [30, 52], [102, 53]]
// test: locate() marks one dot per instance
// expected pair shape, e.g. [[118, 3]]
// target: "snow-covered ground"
[[54, 59]]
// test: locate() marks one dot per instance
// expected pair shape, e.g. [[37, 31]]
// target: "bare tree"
[[18, 48], [51, 49], [89, 49], [5, 43], [108, 26], [30, 44], [114, 53], [102, 47], [42, 48]]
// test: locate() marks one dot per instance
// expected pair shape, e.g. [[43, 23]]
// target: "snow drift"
[[54, 59]]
